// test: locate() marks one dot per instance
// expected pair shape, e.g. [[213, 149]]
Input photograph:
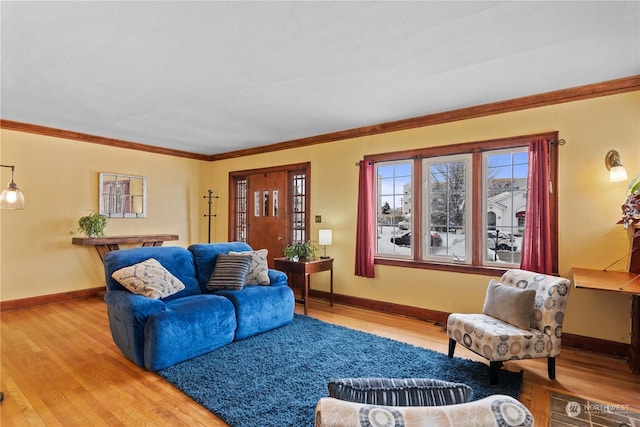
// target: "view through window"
[[448, 187]]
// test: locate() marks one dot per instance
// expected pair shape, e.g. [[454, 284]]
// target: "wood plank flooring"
[[60, 367]]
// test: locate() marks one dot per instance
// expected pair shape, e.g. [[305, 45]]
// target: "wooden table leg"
[[331, 289], [153, 243], [105, 249], [634, 348], [307, 278]]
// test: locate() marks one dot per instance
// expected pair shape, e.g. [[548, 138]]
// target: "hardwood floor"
[[60, 367]]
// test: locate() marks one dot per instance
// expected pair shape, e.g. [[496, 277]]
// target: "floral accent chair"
[[522, 319]]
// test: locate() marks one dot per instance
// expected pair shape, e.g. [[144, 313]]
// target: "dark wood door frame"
[[291, 169]]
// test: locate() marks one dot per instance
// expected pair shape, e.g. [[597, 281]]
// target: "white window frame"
[[484, 247], [426, 203], [378, 206]]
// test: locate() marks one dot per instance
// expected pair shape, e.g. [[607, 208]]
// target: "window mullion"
[[417, 208], [476, 208]]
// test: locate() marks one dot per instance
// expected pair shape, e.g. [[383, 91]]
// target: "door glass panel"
[[299, 220], [241, 210]]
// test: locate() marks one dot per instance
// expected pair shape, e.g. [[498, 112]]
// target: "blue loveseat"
[[157, 333]]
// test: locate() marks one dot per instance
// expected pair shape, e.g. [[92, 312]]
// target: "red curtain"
[[365, 227], [536, 243]]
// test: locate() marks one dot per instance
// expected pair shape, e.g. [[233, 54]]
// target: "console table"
[[307, 268], [620, 282], [105, 245]]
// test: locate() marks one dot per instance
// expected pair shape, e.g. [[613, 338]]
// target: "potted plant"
[[93, 224], [306, 250], [291, 252], [631, 207], [298, 251]]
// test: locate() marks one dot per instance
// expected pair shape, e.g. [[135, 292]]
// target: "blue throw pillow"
[[400, 391]]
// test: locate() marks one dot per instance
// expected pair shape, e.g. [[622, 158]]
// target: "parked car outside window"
[[405, 239]]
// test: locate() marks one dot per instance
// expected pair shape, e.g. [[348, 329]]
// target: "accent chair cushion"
[[400, 391], [258, 270], [230, 272], [148, 278], [509, 304]]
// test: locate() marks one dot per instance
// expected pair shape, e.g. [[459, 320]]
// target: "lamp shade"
[[325, 237], [618, 173], [12, 197]]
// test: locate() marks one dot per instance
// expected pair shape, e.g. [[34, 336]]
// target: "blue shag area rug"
[[276, 378]]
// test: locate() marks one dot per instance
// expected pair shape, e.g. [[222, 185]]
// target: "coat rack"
[[209, 215]]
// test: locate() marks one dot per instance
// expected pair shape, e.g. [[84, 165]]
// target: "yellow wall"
[[589, 205], [60, 181]]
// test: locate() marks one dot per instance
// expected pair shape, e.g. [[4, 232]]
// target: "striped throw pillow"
[[399, 391], [230, 272], [258, 270]]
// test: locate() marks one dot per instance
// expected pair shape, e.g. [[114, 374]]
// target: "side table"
[[105, 245], [307, 268], [619, 282]]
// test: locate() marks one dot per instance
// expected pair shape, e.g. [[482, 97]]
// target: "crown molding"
[[595, 90]]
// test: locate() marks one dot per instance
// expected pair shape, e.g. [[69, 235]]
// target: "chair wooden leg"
[[452, 346], [551, 367], [494, 369]]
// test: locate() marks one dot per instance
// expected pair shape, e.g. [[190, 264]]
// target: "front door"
[[268, 208], [266, 212]]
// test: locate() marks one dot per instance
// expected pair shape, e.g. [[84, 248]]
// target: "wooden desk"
[[307, 268], [620, 282], [105, 245]]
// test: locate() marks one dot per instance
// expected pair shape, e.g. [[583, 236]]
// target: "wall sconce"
[[11, 197], [325, 238], [617, 172]]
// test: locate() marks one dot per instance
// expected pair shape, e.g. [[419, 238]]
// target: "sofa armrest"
[[278, 278], [490, 411], [128, 315], [132, 307]]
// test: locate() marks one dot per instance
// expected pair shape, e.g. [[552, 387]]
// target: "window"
[[457, 207], [393, 208], [505, 195], [447, 183]]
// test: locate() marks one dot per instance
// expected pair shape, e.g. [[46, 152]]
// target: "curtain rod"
[[559, 142]]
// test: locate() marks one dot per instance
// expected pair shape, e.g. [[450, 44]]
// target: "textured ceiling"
[[214, 77]]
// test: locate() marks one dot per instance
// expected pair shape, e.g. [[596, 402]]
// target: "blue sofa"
[[157, 333]]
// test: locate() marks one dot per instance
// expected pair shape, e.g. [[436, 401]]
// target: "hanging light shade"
[[11, 197]]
